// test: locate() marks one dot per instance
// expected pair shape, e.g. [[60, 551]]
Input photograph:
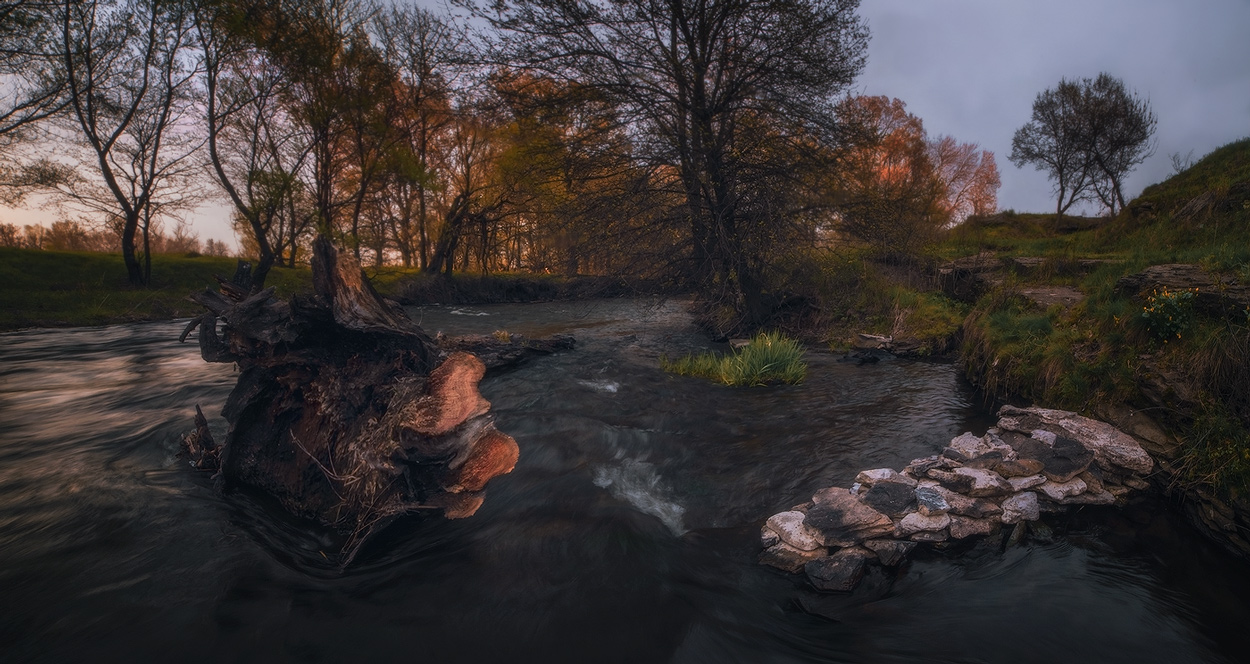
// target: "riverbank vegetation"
[[768, 359], [1180, 352]]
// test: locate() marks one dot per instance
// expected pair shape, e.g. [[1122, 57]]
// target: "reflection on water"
[[626, 533]]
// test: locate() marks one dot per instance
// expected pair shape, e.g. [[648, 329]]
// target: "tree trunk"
[[345, 410]]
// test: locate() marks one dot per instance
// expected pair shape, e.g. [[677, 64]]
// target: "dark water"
[[627, 532]]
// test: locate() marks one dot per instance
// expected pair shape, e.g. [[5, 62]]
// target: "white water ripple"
[[636, 482]]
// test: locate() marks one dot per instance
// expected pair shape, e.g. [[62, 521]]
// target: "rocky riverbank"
[[1035, 460]]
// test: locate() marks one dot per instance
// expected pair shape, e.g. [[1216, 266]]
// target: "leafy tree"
[[729, 101], [1088, 135]]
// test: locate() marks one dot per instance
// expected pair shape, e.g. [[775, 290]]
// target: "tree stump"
[[345, 410]]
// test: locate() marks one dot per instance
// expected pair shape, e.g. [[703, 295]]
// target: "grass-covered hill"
[[1181, 354]]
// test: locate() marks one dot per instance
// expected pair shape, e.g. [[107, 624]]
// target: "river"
[[626, 533]]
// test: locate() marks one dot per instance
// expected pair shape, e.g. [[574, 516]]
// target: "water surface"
[[627, 532]]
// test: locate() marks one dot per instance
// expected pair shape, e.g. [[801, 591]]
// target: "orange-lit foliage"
[[897, 187]]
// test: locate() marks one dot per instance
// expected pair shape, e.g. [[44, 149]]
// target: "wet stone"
[[1090, 498], [1021, 507], [962, 527], [1057, 491], [930, 536], [919, 467], [1019, 484], [839, 572], [790, 528], [985, 483], [1068, 458], [952, 481], [977, 508], [1019, 468], [840, 519], [916, 522], [870, 478], [890, 552], [889, 497], [930, 501], [787, 558]]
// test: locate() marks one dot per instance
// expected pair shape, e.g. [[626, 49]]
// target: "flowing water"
[[627, 532]]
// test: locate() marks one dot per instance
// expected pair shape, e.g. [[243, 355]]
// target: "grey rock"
[[930, 536], [787, 558], [1021, 507], [790, 528], [839, 572], [952, 481], [1090, 498], [961, 505], [1019, 484], [930, 501], [768, 537], [1111, 447], [916, 522], [1057, 491], [1019, 468], [890, 552], [985, 483], [889, 497], [1068, 458], [962, 527], [840, 519], [871, 477], [919, 467]]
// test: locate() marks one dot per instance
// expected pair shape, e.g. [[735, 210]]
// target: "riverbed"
[[627, 532]]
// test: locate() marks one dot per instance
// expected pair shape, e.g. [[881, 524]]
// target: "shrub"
[[1168, 313], [768, 359]]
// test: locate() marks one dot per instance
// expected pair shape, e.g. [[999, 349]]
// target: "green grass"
[[768, 359], [56, 289]]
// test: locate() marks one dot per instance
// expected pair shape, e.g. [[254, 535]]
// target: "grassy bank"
[[1188, 368], [55, 289]]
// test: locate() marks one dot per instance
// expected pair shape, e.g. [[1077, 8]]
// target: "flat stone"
[[952, 481], [787, 558], [872, 477], [916, 522], [1057, 491], [1021, 507], [977, 508], [985, 483], [967, 446], [962, 527], [1136, 483], [768, 537], [987, 461], [1090, 498], [919, 467], [890, 552], [1111, 447], [1068, 458], [890, 498], [790, 529], [841, 519], [1019, 484], [930, 536], [1092, 482], [839, 572], [1019, 468], [930, 501]]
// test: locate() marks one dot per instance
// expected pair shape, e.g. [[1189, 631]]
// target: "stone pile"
[[1035, 460]]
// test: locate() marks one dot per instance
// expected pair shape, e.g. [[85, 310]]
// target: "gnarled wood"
[[345, 410]]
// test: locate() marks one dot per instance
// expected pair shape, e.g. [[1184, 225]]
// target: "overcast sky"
[[971, 69]]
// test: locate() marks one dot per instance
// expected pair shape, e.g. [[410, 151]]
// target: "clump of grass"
[[768, 359], [501, 336]]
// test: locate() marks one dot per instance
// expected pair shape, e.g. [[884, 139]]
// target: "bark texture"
[[345, 410]]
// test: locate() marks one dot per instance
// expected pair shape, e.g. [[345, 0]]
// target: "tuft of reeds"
[[768, 359]]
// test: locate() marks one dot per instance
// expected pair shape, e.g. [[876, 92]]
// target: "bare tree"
[[698, 82], [128, 85], [30, 73], [256, 151]]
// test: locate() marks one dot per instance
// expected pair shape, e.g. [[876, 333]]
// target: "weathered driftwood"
[[345, 410]]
